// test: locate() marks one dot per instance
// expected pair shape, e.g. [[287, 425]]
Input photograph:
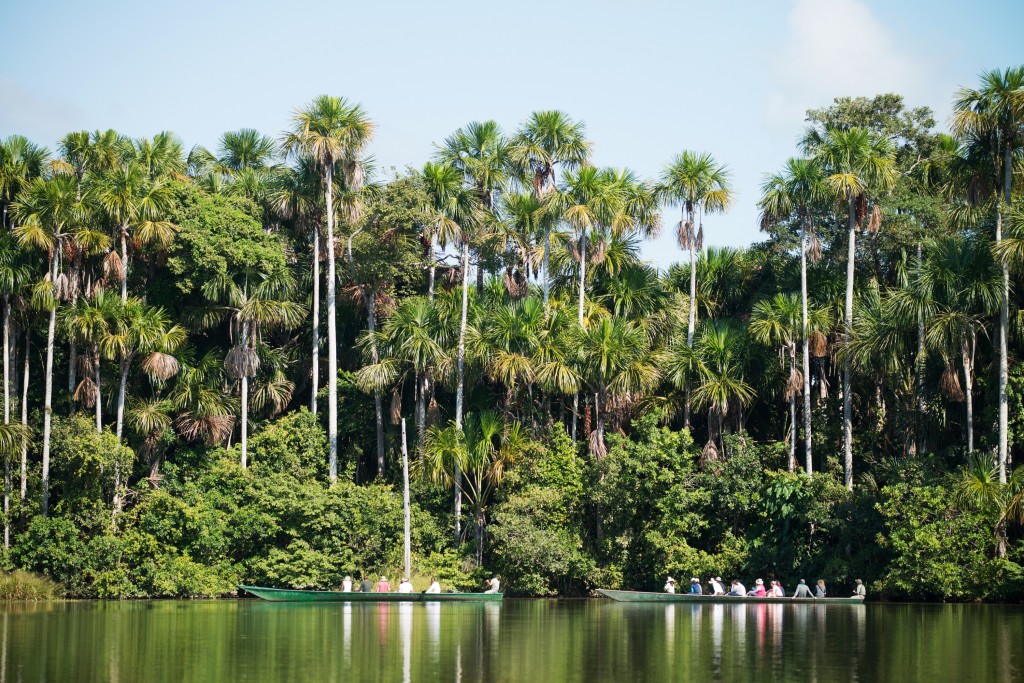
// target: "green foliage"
[[26, 586]]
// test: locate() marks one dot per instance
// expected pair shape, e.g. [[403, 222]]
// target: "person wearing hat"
[[695, 588], [860, 591], [493, 585], [670, 585], [405, 586], [383, 586], [717, 587], [802, 591], [346, 585], [758, 590]]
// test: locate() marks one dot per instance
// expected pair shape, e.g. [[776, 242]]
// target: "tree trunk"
[[806, 334], [96, 379], [459, 388], [547, 267], [1004, 321], [48, 391], [583, 272], [919, 370], [7, 359], [847, 332], [371, 323], [692, 314], [433, 271], [315, 372], [72, 371], [121, 389], [23, 489], [968, 363], [421, 409], [792, 422], [332, 332], [124, 262], [245, 422], [407, 517]]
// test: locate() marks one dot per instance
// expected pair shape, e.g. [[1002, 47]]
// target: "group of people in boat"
[[774, 589], [404, 586]]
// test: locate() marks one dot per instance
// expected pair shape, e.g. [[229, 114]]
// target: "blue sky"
[[649, 78]]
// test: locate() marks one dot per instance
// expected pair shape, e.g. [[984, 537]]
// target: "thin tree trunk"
[[792, 419], [371, 323], [332, 333], [1004, 322], [245, 422], [48, 391], [316, 320], [966, 357], [406, 508], [124, 262], [919, 370], [692, 314], [459, 388], [7, 420], [99, 399], [121, 390], [72, 370], [24, 418], [805, 333], [847, 332], [433, 271], [547, 267], [421, 409], [583, 272]]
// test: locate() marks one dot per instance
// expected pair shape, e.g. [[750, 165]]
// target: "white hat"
[[718, 578], [759, 582], [671, 580], [695, 580]]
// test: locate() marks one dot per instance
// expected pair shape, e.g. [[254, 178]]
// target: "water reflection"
[[518, 641]]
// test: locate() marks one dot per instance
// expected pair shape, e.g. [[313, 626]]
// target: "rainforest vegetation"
[[211, 356]]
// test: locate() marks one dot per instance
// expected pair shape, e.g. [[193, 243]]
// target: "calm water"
[[522, 640]]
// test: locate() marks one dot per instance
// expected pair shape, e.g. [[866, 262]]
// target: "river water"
[[521, 640]]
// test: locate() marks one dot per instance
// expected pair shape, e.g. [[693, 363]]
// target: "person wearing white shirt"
[[435, 587], [346, 585], [405, 586], [670, 585], [716, 586], [494, 586]]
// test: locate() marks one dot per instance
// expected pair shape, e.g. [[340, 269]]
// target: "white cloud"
[[840, 48]]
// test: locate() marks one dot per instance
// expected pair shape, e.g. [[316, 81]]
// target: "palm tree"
[[793, 193], [331, 131], [161, 157], [246, 148], [86, 322], [616, 361], [49, 212], [252, 302], [136, 204], [992, 117], [20, 162], [204, 411], [82, 153], [720, 351], [12, 437], [857, 165], [777, 321], [546, 141], [483, 452], [978, 486]]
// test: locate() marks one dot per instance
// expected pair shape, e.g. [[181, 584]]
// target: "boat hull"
[[290, 595], [641, 596]]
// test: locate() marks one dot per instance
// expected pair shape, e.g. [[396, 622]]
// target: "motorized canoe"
[[292, 595], [641, 596]]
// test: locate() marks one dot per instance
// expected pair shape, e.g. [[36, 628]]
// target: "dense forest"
[[213, 358]]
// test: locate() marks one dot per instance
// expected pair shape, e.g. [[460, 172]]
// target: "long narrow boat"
[[641, 596], [291, 595]]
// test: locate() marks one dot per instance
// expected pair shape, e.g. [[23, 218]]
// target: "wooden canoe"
[[641, 596], [292, 595]]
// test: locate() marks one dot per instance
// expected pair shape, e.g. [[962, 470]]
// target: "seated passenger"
[[695, 588], [716, 586], [494, 586], [670, 585], [802, 591], [435, 587], [405, 586], [383, 586]]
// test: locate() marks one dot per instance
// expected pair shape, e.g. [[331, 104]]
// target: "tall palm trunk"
[[48, 391], [124, 262], [24, 418], [1004, 318], [547, 267], [847, 331], [692, 314], [792, 413], [316, 319], [919, 370], [96, 379], [332, 331], [460, 369], [433, 271], [7, 421], [967, 357], [583, 273], [371, 323], [805, 334], [245, 399], [421, 408]]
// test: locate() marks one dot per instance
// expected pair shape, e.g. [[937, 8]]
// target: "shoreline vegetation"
[[208, 356]]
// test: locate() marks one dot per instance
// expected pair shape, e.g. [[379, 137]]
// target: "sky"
[[650, 79]]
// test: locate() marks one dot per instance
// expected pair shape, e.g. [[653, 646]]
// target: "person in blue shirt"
[[695, 587]]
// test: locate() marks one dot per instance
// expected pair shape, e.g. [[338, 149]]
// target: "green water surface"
[[520, 640]]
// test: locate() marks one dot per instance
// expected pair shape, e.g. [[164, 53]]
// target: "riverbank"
[[20, 585]]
